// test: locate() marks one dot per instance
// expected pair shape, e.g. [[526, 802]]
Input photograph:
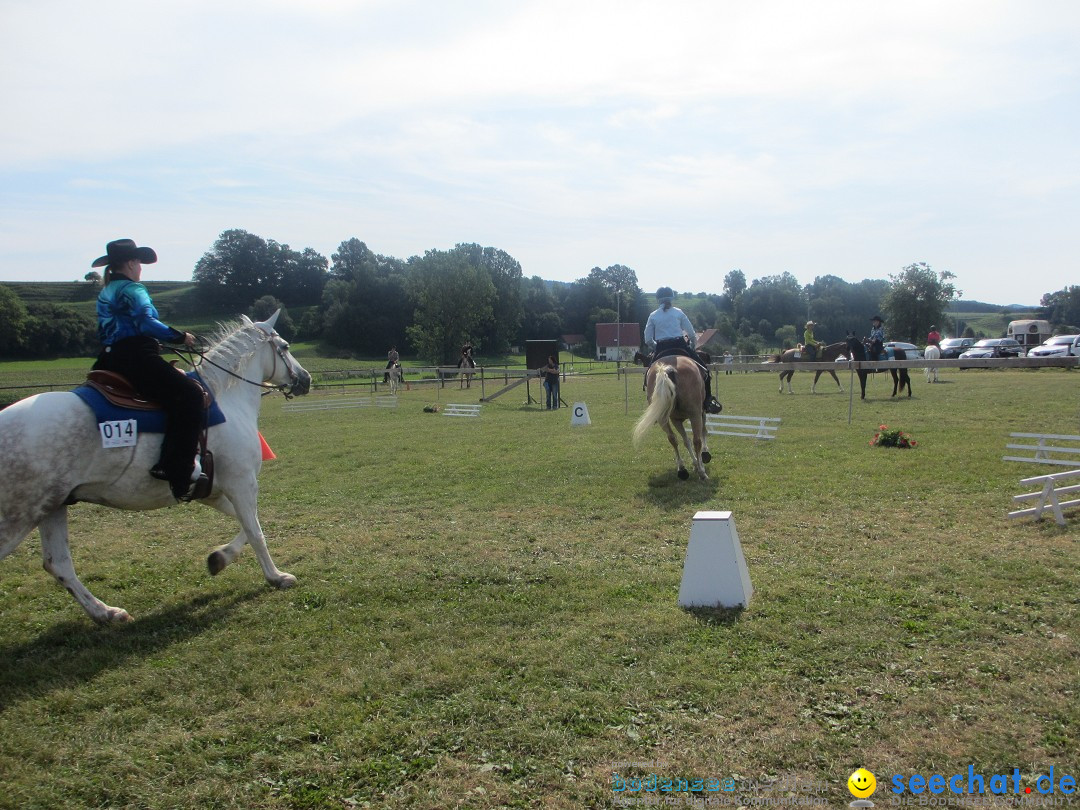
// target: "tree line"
[[361, 303]]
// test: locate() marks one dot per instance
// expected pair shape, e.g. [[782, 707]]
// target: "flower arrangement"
[[891, 438]]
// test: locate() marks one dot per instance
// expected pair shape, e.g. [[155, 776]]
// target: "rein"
[[190, 354]]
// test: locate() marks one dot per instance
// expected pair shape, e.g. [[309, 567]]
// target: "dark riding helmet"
[[878, 318], [665, 295]]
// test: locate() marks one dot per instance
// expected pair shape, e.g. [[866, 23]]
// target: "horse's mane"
[[232, 345]]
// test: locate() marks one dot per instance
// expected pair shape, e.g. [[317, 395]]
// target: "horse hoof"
[[706, 456], [683, 475], [285, 581], [113, 615], [216, 562]]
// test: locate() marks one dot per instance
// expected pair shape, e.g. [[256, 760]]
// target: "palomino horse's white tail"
[[661, 405]]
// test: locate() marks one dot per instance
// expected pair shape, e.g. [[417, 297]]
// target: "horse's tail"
[[662, 404]]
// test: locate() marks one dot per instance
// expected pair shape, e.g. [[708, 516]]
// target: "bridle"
[[280, 348]]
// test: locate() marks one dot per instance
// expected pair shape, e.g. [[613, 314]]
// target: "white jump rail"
[[458, 409], [340, 403], [1048, 448], [1047, 497], [748, 427]]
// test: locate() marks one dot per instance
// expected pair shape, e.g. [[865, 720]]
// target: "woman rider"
[[129, 330], [877, 337], [810, 343], [669, 331]]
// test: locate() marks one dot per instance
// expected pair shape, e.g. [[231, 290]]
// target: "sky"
[[682, 139]]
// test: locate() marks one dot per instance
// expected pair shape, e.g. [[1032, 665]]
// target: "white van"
[[1029, 334]]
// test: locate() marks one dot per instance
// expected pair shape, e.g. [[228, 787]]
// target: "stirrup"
[[200, 488], [712, 405]]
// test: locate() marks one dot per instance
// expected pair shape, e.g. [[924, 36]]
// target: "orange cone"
[[267, 453]]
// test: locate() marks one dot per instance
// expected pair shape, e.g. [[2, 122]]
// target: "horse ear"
[[245, 320], [269, 322]]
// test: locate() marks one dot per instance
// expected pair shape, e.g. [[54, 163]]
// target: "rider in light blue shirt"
[[130, 328], [877, 337], [668, 331], [124, 310]]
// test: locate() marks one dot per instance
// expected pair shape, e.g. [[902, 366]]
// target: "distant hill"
[[979, 306], [177, 301]]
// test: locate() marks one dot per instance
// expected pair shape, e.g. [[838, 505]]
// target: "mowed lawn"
[[487, 616]]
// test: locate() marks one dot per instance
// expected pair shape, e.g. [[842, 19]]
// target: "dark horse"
[[857, 351], [828, 355]]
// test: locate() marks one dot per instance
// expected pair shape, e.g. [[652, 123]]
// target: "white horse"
[[53, 457], [931, 353], [393, 376]]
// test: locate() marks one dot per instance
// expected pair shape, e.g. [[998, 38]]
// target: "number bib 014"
[[119, 433]]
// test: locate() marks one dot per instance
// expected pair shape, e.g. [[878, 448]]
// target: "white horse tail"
[[661, 405]]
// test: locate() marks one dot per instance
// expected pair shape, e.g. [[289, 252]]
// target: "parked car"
[[951, 348], [994, 347], [1059, 346], [911, 351]]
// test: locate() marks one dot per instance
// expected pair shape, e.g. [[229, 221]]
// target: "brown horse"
[[676, 392], [827, 355]]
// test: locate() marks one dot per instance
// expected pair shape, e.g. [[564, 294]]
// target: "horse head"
[[288, 376]]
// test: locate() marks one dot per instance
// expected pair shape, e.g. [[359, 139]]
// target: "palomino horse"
[[676, 392], [828, 355], [53, 458], [932, 353], [857, 351]]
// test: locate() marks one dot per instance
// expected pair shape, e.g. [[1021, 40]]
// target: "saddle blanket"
[[147, 421]]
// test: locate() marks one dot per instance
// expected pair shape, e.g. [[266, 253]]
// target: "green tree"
[[266, 306], [13, 317], [540, 316], [241, 267], [772, 302], [786, 337], [365, 307], [52, 330], [504, 271], [236, 270], [1062, 308], [919, 297], [734, 284], [453, 301]]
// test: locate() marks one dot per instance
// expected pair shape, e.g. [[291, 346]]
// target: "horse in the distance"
[[932, 353], [468, 368], [828, 355], [54, 457], [857, 351], [676, 393], [393, 377]]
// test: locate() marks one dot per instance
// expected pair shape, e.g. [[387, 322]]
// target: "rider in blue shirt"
[[877, 337], [129, 328], [668, 331]]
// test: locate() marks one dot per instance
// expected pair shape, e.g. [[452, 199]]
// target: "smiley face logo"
[[862, 784]]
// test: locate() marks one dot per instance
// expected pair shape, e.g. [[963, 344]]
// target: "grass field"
[[486, 612]]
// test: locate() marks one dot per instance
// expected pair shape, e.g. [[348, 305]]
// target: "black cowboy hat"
[[124, 250]]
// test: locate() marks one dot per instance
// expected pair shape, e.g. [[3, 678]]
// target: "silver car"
[[1059, 346]]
